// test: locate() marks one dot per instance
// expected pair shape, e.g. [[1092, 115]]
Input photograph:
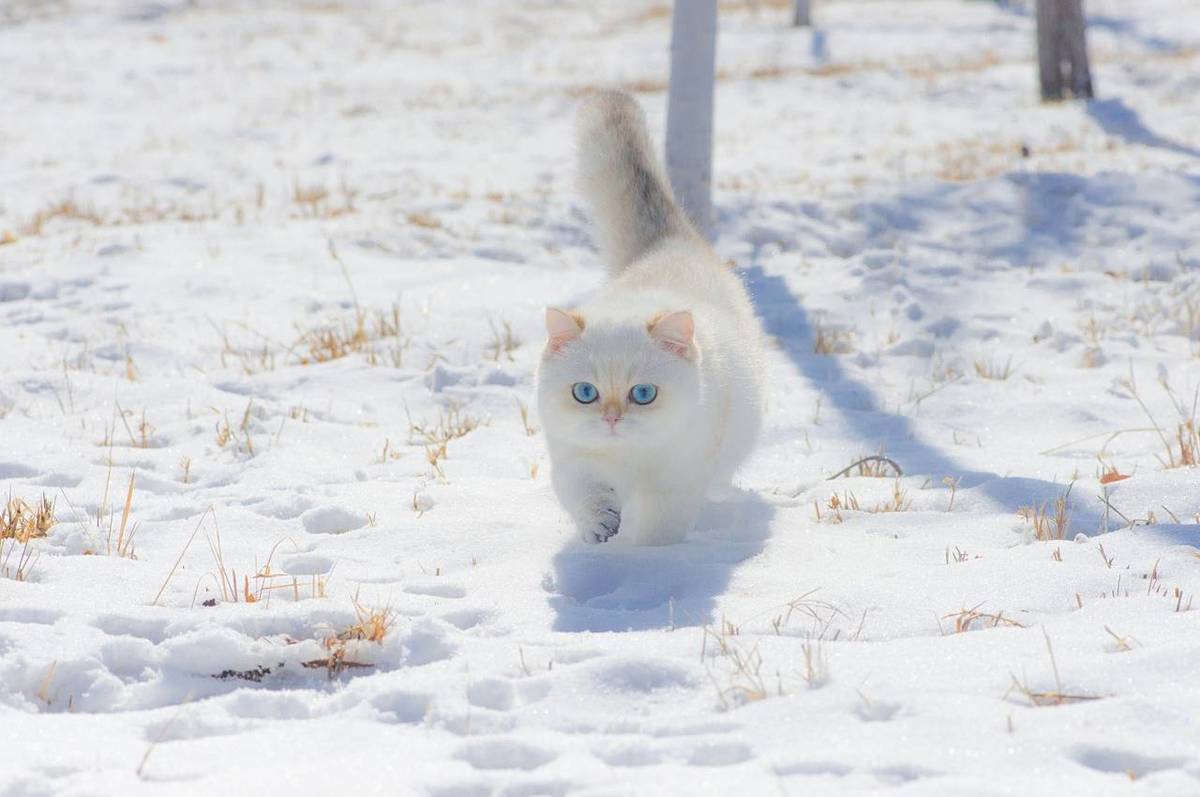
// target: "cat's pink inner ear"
[[561, 327], [674, 333]]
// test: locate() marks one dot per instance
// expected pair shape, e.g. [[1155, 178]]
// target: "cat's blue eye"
[[584, 392], [643, 394]]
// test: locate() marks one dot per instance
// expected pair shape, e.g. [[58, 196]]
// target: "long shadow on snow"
[[1021, 217], [617, 588], [784, 317], [1118, 119]]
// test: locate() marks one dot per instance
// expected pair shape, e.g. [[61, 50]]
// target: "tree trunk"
[[690, 108], [802, 14], [1062, 50]]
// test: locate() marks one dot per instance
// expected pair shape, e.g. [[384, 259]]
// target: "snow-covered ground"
[[198, 200]]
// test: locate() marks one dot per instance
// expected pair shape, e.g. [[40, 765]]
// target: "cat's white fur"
[[671, 315]]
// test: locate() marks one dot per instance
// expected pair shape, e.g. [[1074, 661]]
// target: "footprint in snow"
[[464, 619], [437, 589], [13, 470], [643, 676], [814, 769], [719, 754], [331, 520], [538, 788], [286, 508], [505, 754], [482, 789], [877, 711], [630, 755], [494, 693], [402, 706], [1122, 762], [902, 773]]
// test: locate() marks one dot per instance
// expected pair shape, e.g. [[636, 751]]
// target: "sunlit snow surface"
[[196, 190]]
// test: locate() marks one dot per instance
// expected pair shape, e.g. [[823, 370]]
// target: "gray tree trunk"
[[802, 14], [1062, 50], [690, 108]]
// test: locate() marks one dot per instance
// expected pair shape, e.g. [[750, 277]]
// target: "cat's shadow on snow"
[[615, 587]]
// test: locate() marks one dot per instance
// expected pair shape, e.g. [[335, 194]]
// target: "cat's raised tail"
[[622, 180]]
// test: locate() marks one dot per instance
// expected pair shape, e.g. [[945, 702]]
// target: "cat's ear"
[[674, 332], [561, 328]]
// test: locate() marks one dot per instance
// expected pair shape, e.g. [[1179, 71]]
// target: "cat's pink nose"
[[612, 421]]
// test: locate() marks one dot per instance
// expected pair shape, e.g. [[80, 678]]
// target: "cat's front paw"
[[603, 527]]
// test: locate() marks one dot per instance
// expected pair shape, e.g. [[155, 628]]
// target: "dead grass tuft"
[[22, 521], [898, 501], [829, 341], [377, 335], [141, 210], [61, 209], [372, 625], [318, 202], [424, 219], [743, 677], [820, 614], [1047, 526], [958, 556], [452, 424], [238, 438], [504, 342], [255, 588], [992, 369]]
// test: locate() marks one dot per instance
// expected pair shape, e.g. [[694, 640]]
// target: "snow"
[[240, 175]]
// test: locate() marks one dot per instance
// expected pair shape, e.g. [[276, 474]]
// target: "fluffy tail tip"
[[607, 121]]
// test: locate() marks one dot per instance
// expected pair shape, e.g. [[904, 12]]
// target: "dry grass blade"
[[179, 559], [530, 429], [123, 545], [1055, 697], [865, 468], [22, 568], [1122, 642], [964, 619]]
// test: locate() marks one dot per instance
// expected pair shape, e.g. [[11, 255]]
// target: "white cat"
[[653, 392]]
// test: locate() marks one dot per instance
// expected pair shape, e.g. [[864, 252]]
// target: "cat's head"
[[610, 384]]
